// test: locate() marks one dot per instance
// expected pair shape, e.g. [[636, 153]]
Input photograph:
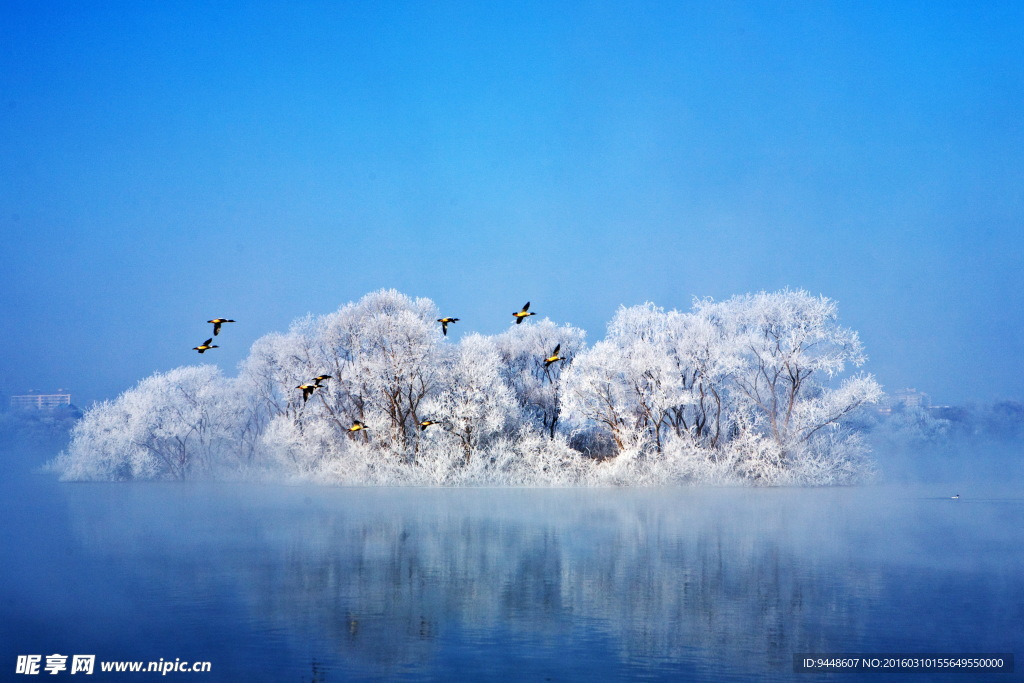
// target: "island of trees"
[[754, 389]]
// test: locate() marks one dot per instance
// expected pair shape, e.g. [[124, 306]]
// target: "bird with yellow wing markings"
[[523, 313], [553, 358], [205, 346], [444, 324], [307, 390], [217, 322]]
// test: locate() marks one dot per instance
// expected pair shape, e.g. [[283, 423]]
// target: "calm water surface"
[[277, 583]]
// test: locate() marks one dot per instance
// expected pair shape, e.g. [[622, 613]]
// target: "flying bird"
[[356, 426], [307, 390], [522, 314], [217, 322], [444, 324], [427, 423], [205, 346], [554, 357], [318, 380]]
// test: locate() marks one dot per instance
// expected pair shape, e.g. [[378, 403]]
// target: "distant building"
[[41, 401], [911, 398]]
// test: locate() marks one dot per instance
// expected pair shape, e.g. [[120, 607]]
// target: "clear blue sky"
[[162, 164]]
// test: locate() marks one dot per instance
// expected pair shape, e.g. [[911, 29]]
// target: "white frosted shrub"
[[172, 425]]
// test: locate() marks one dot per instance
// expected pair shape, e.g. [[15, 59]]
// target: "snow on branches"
[[749, 389]]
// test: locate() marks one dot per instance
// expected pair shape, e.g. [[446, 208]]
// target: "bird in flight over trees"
[[554, 357], [444, 324], [205, 346], [427, 423], [356, 426], [522, 314], [307, 390], [217, 322], [319, 380]]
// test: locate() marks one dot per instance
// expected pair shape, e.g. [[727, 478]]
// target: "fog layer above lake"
[[288, 583]]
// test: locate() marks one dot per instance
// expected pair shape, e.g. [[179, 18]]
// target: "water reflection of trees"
[[381, 578]]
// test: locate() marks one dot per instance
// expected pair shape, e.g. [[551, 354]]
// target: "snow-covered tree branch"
[[749, 389]]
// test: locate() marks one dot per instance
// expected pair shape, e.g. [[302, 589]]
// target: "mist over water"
[[282, 583], [980, 463]]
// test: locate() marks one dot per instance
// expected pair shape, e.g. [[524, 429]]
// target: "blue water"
[[278, 583]]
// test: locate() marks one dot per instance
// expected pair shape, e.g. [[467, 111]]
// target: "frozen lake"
[[275, 583]]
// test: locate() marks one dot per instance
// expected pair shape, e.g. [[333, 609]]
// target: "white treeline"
[[748, 390]]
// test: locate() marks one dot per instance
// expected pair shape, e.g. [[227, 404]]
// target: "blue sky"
[[164, 164]]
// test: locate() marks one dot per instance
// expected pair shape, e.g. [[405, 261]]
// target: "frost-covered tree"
[[706, 358], [792, 348], [656, 375], [475, 404], [384, 355], [723, 378], [746, 389], [654, 383], [538, 385], [171, 426], [400, 352], [101, 447]]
